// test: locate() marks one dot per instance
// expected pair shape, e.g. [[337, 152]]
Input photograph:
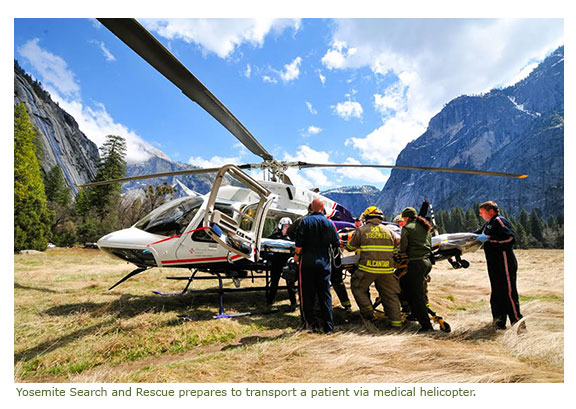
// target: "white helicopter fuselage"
[[182, 233]]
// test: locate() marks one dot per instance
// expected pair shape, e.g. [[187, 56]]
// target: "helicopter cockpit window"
[[171, 218]]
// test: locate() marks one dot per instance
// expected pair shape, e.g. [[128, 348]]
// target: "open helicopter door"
[[236, 211]]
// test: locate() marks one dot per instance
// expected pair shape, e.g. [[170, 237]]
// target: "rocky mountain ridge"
[[62, 142], [519, 129]]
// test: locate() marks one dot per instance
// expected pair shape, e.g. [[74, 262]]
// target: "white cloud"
[[348, 109], [52, 69], [214, 161], [107, 54], [95, 122], [269, 79], [248, 71], [368, 176], [524, 72], [312, 130], [217, 161], [291, 71], [309, 178], [219, 36], [311, 108], [383, 145], [393, 99], [435, 60], [322, 77], [337, 56]]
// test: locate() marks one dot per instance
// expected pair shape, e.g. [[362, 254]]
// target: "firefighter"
[[416, 243], [315, 237], [376, 244], [278, 261], [498, 238]]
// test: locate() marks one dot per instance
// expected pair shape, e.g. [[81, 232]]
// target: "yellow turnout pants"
[[388, 289]]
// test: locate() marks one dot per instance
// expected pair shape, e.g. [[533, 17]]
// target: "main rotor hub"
[[276, 168]]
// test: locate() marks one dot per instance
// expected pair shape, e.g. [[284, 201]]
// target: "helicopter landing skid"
[[220, 291]]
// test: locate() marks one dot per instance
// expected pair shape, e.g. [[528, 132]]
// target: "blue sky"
[[320, 90]]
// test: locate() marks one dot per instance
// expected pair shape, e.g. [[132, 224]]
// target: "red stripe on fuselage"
[[199, 260]]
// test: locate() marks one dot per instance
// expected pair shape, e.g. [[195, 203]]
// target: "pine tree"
[[32, 218], [471, 221], [99, 205], [523, 220], [106, 198], [59, 197], [56, 188], [521, 237], [536, 226], [441, 221], [458, 219]]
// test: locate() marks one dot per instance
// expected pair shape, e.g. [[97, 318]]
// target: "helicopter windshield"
[[171, 218]]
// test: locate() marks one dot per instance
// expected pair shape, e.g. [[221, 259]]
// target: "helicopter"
[[223, 232]]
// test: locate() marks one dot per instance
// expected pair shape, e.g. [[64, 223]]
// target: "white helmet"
[[283, 221]]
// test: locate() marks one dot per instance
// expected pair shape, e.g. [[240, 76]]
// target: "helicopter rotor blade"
[[133, 34], [304, 165], [157, 175]]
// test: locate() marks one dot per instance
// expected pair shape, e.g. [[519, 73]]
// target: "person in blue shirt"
[[498, 238], [315, 238]]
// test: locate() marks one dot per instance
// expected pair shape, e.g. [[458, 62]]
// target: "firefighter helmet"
[[372, 211]]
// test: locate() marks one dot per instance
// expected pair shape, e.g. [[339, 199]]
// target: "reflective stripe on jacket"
[[375, 243]]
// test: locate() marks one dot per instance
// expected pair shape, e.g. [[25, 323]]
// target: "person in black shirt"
[[498, 238], [277, 262]]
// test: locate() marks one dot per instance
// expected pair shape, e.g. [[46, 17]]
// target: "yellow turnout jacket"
[[375, 243]]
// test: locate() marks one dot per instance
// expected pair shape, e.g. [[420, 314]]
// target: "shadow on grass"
[[187, 307], [53, 344], [253, 340], [24, 287]]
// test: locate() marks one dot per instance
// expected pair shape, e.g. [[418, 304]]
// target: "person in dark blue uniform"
[[314, 238], [498, 238]]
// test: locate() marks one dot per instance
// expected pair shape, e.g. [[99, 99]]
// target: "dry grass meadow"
[[70, 328]]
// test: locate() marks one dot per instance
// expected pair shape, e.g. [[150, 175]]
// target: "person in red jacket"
[[498, 238]]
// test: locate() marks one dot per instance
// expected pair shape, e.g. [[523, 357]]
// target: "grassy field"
[[70, 328]]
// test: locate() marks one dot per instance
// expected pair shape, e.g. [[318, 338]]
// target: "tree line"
[[531, 229], [45, 210]]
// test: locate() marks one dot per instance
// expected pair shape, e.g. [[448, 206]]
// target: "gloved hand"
[[482, 237], [290, 260]]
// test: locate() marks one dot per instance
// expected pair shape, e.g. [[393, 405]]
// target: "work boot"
[[499, 325]]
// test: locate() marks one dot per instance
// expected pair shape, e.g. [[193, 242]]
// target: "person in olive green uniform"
[[416, 243], [376, 244]]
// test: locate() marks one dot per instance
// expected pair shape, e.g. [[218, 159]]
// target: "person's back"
[[376, 243], [315, 235], [416, 240]]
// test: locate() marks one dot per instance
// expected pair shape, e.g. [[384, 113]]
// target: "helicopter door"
[[238, 226]]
